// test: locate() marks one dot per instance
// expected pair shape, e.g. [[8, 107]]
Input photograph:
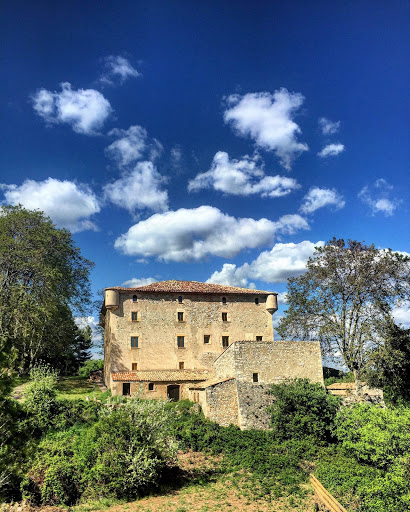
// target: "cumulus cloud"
[[138, 188], [328, 127], [187, 234], [85, 110], [242, 177], [319, 197], [136, 282], [132, 145], [117, 70], [70, 205], [274, 266], [83, 321], [268, 119], [378, 197], [331, 150], [401, 314]]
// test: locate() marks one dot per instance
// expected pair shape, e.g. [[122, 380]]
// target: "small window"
[[134, 341], [181, 365], [134, 367], [150, 386], [180, 299], [207, 339], [256, 300], [134, 316], [126, 389], [180, 316], [225, 341], [223, 300], [134, 298], [224, 317], [259, 338], [255, 377], [181, 341]]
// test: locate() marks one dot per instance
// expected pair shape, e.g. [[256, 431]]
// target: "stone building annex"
[[210, 343]]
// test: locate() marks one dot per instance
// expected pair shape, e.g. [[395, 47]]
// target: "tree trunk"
[[358, 382]]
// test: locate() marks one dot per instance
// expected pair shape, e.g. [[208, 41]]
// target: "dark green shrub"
[[89, 366], [302, 410]]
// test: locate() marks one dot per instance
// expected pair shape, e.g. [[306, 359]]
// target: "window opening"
[[181, 365], [259, 338], [223, 300], [181, 341], [224, 317], [256, 300], [180, 299], [225, 341], [134, 341], [134, 367], [207, 338], [134, 316], [134, 298], [255, 377], [126, 389], [180, 316], [150, 386]]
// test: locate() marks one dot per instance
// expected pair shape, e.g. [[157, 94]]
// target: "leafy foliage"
[[302, 410], [43, 278], [90, 366], [346, 292], [121, 455], [389, 364]]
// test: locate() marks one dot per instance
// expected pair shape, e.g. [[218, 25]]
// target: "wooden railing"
[[324, 497]]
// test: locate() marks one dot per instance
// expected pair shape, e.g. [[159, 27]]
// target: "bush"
[[121, 456], [302, 410], [90, 366], [374, 435]]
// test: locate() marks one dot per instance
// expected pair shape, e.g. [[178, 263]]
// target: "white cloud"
[[69, 204], [401, 315], [84, 321], [188, 234], [319, 197], [274, 266], [117, 69], [331, 150], [268, 119], [132, 145], [85, 110], [242, 177], [328, 127], [136, 282], [378, 197], [138, 188]]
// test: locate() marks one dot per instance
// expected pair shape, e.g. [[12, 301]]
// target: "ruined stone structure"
[[183, 339]]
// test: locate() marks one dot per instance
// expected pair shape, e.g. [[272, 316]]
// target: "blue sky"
[[209, 140]]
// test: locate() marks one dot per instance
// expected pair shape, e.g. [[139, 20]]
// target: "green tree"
[[346, 292], [43, 281], [389, 363]]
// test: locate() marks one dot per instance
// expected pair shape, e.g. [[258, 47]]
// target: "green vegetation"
[[90, 366], [345, 298]]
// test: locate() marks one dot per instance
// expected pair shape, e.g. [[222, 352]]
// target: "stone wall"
[[272, 362], [253, 400], [222, 403]]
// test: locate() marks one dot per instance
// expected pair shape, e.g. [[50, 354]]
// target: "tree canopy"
[[345, 296], [43, 281]]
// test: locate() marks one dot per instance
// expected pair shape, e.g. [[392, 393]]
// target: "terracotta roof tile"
[[161, 375], [209, 383], [190, 287]]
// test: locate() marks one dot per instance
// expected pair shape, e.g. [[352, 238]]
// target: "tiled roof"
[[344, 385], [209, 383], [190, 287], [161, 375]]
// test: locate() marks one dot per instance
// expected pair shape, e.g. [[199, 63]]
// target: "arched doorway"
[[173, 393]]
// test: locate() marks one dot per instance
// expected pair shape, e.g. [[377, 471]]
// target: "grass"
[[77, 387]]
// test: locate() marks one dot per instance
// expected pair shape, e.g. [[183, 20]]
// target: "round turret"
[[272, 303], [112, 299]]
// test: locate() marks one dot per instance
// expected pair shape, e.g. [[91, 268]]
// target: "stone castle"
[[209, 343]]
